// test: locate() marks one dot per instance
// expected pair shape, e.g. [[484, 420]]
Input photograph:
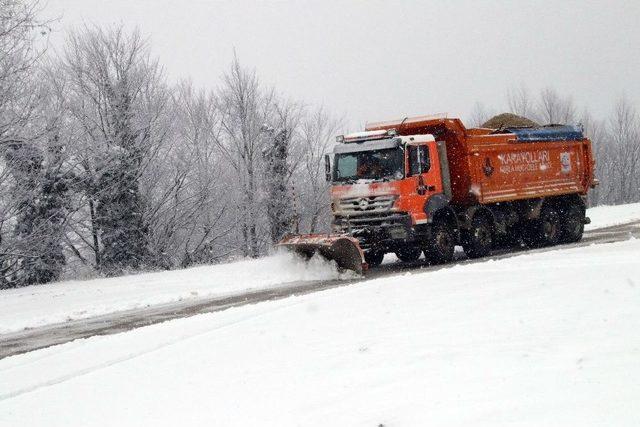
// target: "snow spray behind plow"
[[344, 250]]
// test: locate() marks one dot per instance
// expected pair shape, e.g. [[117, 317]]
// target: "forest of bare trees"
[[106, 168]]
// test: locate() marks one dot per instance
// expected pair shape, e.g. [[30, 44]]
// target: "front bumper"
[[385, 231]]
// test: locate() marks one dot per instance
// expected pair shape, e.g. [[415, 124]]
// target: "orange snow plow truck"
[[428, 184]]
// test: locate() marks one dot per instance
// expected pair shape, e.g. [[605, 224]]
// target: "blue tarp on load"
[[548, 133]]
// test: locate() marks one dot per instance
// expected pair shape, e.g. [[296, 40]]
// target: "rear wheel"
[[544, 231], [409, 254], [440, 244], [511, 239], [373, 258], [572, 224], [478, 240]]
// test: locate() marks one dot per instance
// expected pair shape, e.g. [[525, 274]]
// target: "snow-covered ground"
[[542, 339], [34, 306], [42, 305], [605, 216]]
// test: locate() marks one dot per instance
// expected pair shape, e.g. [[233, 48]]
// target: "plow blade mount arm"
[[344, 250]]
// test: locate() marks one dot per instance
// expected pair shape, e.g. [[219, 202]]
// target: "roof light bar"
[[366, 135]]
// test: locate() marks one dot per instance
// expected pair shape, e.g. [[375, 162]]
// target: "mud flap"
[[344, 250]]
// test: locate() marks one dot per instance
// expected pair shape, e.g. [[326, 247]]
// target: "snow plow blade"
[[344, 250]]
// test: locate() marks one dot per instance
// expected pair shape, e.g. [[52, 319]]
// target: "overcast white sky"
[[380, 60]]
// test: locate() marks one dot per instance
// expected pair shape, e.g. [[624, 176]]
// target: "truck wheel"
[[373, 258], [440, 244], [409, 254], [511, 239], [544, 231], [478, 239], [572, 224]]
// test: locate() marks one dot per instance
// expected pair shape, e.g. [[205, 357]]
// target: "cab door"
[[422, 172], [420, 168]]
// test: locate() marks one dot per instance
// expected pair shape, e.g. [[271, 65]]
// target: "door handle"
[[422, 189]]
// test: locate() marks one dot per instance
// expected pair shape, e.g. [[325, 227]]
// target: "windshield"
[[376, 164]]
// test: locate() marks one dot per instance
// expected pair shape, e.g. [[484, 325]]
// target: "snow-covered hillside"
[[546, 339], [53, 303]]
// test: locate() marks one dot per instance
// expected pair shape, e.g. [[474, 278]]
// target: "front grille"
[[372, 228], [359, 224], [357, 206]]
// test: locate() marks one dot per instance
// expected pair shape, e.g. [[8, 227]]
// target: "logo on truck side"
[[524, 161], [565, 162], [488, 167]]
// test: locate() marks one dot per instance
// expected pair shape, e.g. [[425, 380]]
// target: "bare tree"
[[244, 107], [520, 101], [281, 158], [596, 131], [317, 138], [19, 97], [624, 130], [19, 27], [554, 109], [116, 100], [190, 221], [479, 115]]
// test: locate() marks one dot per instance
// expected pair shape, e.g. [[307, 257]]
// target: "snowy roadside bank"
[[537, 339], [606, 216], [35, 306]]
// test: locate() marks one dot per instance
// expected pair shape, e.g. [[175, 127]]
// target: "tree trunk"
[[251, 212], [94, 233]]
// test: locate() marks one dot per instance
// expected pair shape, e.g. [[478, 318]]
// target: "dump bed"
[[487, 166], [510, 167]]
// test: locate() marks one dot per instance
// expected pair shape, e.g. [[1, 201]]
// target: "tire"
[[544, 231], [530, 233], [373, 258], [440, 244], [512, 239], [478, 240], [409, 254], [572, 224]]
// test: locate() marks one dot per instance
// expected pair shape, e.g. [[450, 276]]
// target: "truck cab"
[[386, 189]]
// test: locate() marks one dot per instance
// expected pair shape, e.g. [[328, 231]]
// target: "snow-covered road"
[[121, 321], [538, 339], [36, 306]]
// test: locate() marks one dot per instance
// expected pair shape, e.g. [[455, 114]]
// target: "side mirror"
[[327, 167]]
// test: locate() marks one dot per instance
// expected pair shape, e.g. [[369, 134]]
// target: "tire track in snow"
[[111, 362]]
